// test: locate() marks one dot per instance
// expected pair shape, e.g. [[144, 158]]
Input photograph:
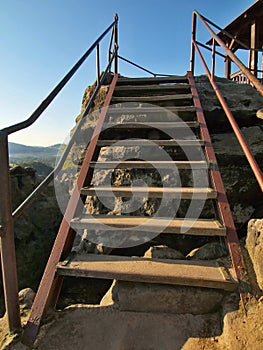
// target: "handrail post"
[[98, 63], [213, 59], [109, 58], [192, 59], [227, 66], [116, 43], [8, 254]]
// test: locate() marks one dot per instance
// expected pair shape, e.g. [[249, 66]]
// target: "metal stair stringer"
[[50, 284], [223, 205]]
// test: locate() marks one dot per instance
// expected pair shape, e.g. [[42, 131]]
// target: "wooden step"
[[153, 99], [142, 90], [148, 143], [156, 125], [205, 274], [147, 110], [156, 80], [151, 192], [138, 164], [156, 113], [199, 227]]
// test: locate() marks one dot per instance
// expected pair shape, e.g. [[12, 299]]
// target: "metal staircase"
[[176, 94], [158, 116]]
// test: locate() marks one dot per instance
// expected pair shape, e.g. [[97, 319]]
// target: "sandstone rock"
[[26, 298], [260, 113], [241, 188], [243, 331], [163, 252], [242, 213], [254, 244], [242, 99], [108, 299], [209, 251], [147, 297], [80, 327], [227, 143]]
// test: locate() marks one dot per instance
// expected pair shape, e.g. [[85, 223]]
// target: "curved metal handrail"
[[33, 196], [46, 102]]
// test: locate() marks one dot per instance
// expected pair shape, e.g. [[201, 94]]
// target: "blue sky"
[[41, 39]]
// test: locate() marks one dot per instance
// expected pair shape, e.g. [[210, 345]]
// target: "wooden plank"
[[157, 87], [147, 143], [152, 98], [155, 113], [178, 272], [142, 90], [148, 81], [147, 125], [128, 164], [151, 192], [145, 110], [199, 227]]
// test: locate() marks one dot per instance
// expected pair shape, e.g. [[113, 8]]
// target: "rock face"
[[104, 328], [26, 298], [150, 297], [163, 252], [243, 100], [209, 251], [254, 244], [35, 230]]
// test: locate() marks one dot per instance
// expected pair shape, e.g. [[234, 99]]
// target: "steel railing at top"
[[243, 69], [228, 52], [8, 256]]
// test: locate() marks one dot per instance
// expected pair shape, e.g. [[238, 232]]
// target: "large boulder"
[[150, 297], [243, 100], [254, 244], [163, 252], [209, 251]]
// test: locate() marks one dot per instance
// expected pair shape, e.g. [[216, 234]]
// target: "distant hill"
[[21, 153]]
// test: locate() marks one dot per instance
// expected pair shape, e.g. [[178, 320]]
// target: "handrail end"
[[3, 133]]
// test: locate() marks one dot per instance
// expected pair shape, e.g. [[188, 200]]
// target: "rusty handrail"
[[34, 195], [254, 166], [256, 83], [142, 68], [8, 256]]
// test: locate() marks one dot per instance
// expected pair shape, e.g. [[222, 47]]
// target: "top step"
[[152, 89], [155, 80]]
